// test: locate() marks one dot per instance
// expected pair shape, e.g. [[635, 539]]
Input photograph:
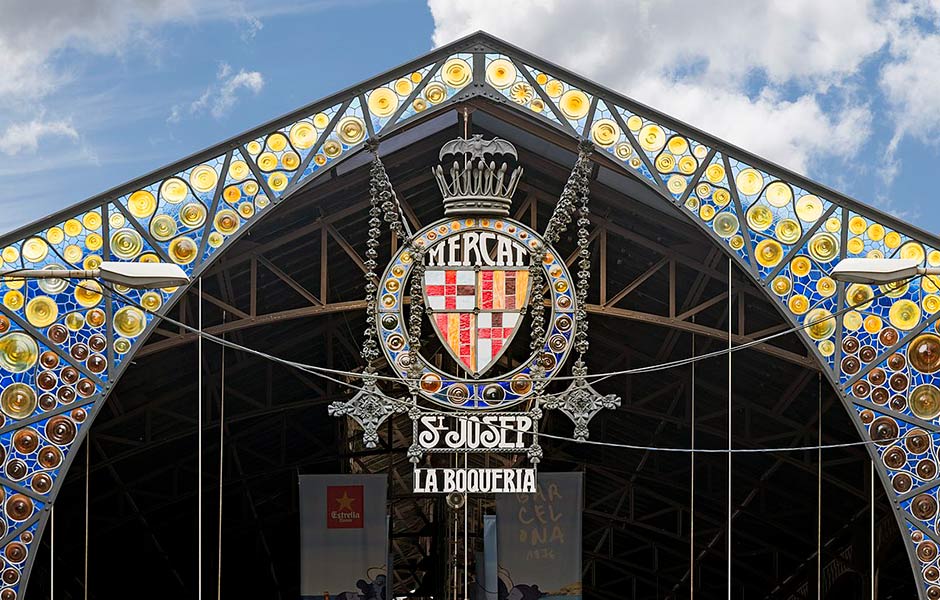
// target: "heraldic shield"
[[476, 311]]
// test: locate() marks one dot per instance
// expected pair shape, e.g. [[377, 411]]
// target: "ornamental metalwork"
[[64, 345]]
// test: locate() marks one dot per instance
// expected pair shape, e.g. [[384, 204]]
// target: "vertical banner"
[[539, 543], [343, 537]]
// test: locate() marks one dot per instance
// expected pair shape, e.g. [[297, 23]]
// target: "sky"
[[94, 93]]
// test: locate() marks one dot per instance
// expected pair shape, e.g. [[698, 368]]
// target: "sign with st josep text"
[[463, 432]]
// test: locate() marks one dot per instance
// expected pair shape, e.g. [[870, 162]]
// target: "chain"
[[370, 349], [584, 275], [415, 316]]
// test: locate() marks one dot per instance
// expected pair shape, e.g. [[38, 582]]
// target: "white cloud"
[[221, 95], [24, 137], [751, 72]]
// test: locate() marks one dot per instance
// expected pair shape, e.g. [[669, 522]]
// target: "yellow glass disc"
[[931, 303], [74, 321], [677, 185], [736, 242], [250, 188], [151, 301], [42, 311], [721, 197], [93, 261], [72, 227], [13, 300], [687, 165], [826, 287], [913, 251], [18, 400], [435, 93], [554, 88], [541, 78], [824, 246], [203, 178], [277, 142], [933, 258], [126, 243], [232, 194], [652, 138], [267, 161], [857, 225], [175, 191], [215, 239], [892, 239], [456, 72], [253, 147], [521, 92], [183, 250], [769, 253], [749, 182], [382, 102], [261, 201], [700, 152], [35, 249], [692, 203], [788, 231], [634, 123], [238, 170], [129, 321], [73, 253], [290, 160], [665, 162], [122, 345], [876, 232], [800, 266], [537, 105], [351, 129], [827, 348], [246, 209], [93, 242], [404, 86], [605, 132], [778, 194], [303, 135], [193, 214], [759, 217], [678, 145], [141, 204], [703, 190], [321, 120], [725, 224], [226, 221], [852, 320], [798, 304], [332, 148], [162, 227], [88, 293], [859, 296], [929, 284], [855, 245], [55, 235], [809, 208], [574, 104], [715, 173], [781, 285], [278, 181], [706, 212], [895, 289], [91, 220], [419, 104], [904, 314], [819, 324], [833, 224], [500, 73], [18, 352]]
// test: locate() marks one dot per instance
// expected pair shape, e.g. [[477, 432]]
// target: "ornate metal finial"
[[580, 402], [474, 186], [369, 407]]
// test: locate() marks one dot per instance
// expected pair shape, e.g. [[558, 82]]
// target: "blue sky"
[[96, 92]]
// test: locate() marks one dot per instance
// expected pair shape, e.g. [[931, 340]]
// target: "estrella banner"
[[539, 540], [343, 537]]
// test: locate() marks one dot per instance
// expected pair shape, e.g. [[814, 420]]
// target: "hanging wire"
[[218, 584], [199, 438], [819, 491], [729, 424], [692, 482], [871, 500], [51, 552], [87, 506]]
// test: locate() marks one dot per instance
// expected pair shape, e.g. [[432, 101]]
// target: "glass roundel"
[[477, 387]]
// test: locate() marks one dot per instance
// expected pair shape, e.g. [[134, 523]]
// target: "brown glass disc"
[[880, 395], [50, 457], [41, 482], [924, 507], [26, 440], [58, 333], [10, 576], [16, 469], [79, 351], [898, 382], [49, 359], [898, 403], [888, 336], [78, 415], [46, 380], [931, 573], [883, 430], [19, 507], [97, 343], [877, 376], [850, 365], [896, 361], [926, 551], [47, 402], [866, 416], [861, 389], [85, 387], [65, 394], [15, 552], [926, 469], [850, 345], [96, 363], [61, 430], [894, 457], [69, 375], [923, 352], [917, 441], [902, 483]]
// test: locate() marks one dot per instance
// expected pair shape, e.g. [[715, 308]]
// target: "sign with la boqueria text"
[[474, 481]]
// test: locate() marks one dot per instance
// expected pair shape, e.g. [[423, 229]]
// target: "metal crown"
[[477, 187]]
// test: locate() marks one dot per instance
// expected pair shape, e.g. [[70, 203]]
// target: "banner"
[[539, 547], [343, 537]]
